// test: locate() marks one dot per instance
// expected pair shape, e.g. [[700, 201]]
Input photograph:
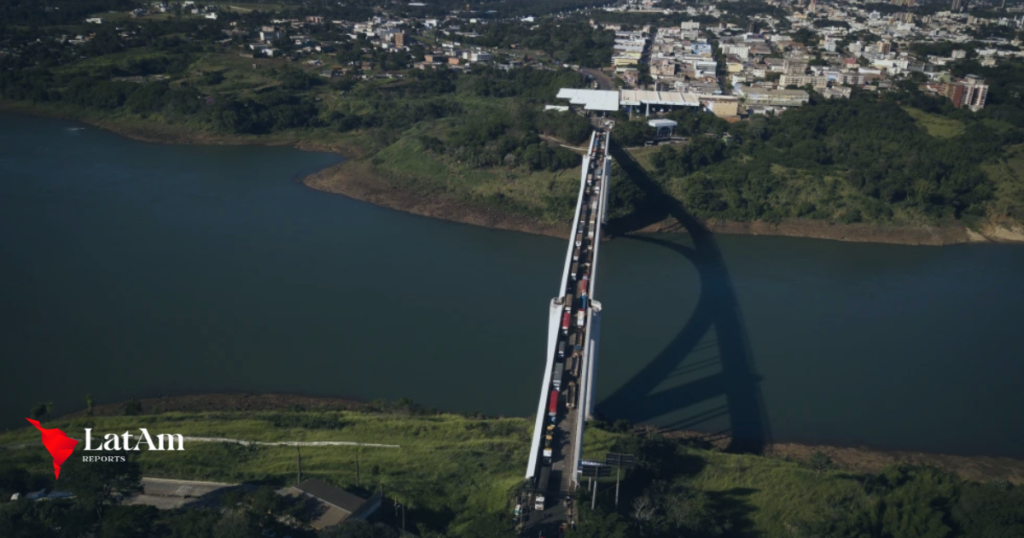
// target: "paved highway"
[[604, 82], [552, 473]]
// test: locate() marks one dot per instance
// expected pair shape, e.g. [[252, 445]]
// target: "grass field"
[[443, 461], [408, 165], [936, 126]]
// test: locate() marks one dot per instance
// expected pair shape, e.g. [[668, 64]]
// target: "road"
[[555, 474], [604, 82]]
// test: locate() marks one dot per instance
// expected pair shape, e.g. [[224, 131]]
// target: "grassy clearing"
[[407, 164], [936, 126], [643, 156], [444, 460]]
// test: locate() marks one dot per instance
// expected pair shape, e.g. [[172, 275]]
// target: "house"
[[335, 504], [270, 36]]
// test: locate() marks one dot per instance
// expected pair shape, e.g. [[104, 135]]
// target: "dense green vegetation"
[[457, 476], [565, 40], [865, 159]]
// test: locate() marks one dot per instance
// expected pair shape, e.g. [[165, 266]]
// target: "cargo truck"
[[576, 254], [565, 322], [542, 488], [581, 318], [567, 302], [561, 349], [553, 405], [575, 269], [571, 397], [579, 239], [556, 376], [583, 303]]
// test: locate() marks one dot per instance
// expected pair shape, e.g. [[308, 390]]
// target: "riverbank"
[[453, 472], [355, 178], [857, 459]]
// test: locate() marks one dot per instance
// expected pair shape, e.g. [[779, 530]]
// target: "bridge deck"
[[573, 331]]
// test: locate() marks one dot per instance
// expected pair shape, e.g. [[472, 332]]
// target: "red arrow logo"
[[57, 443]]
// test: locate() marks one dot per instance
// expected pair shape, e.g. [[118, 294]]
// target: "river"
[[132, 270]]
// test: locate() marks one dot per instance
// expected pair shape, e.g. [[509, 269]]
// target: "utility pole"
[[357, 466], [619, 461], [616, 486], [298, 453], [593, 499]]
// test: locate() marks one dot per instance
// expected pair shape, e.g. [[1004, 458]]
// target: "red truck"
[[565, 322], [553, 405]]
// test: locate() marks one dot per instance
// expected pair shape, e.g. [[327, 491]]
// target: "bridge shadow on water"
[[717, 313]]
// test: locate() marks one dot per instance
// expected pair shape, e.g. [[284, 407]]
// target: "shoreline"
[[355, 179], [861, 459]]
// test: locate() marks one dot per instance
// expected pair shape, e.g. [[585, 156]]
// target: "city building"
[[970, 92], [763, 96], [803, 80]]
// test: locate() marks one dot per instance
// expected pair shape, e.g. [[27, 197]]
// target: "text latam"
[[113, 441]]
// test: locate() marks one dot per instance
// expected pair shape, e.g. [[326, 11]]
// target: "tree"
[[98, 485], [994, 509], [599, 524], [643, 511], [486, 526], [236, 524], [42, 410], [820, 461], [132, 408], [128, 522], [13, 480]]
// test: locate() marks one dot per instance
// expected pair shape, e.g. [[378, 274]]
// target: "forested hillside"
[[901, 157]]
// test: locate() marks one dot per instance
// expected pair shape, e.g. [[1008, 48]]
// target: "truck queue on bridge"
[[573, 329]]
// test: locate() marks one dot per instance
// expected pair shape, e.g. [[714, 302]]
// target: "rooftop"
[[603, 100]]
